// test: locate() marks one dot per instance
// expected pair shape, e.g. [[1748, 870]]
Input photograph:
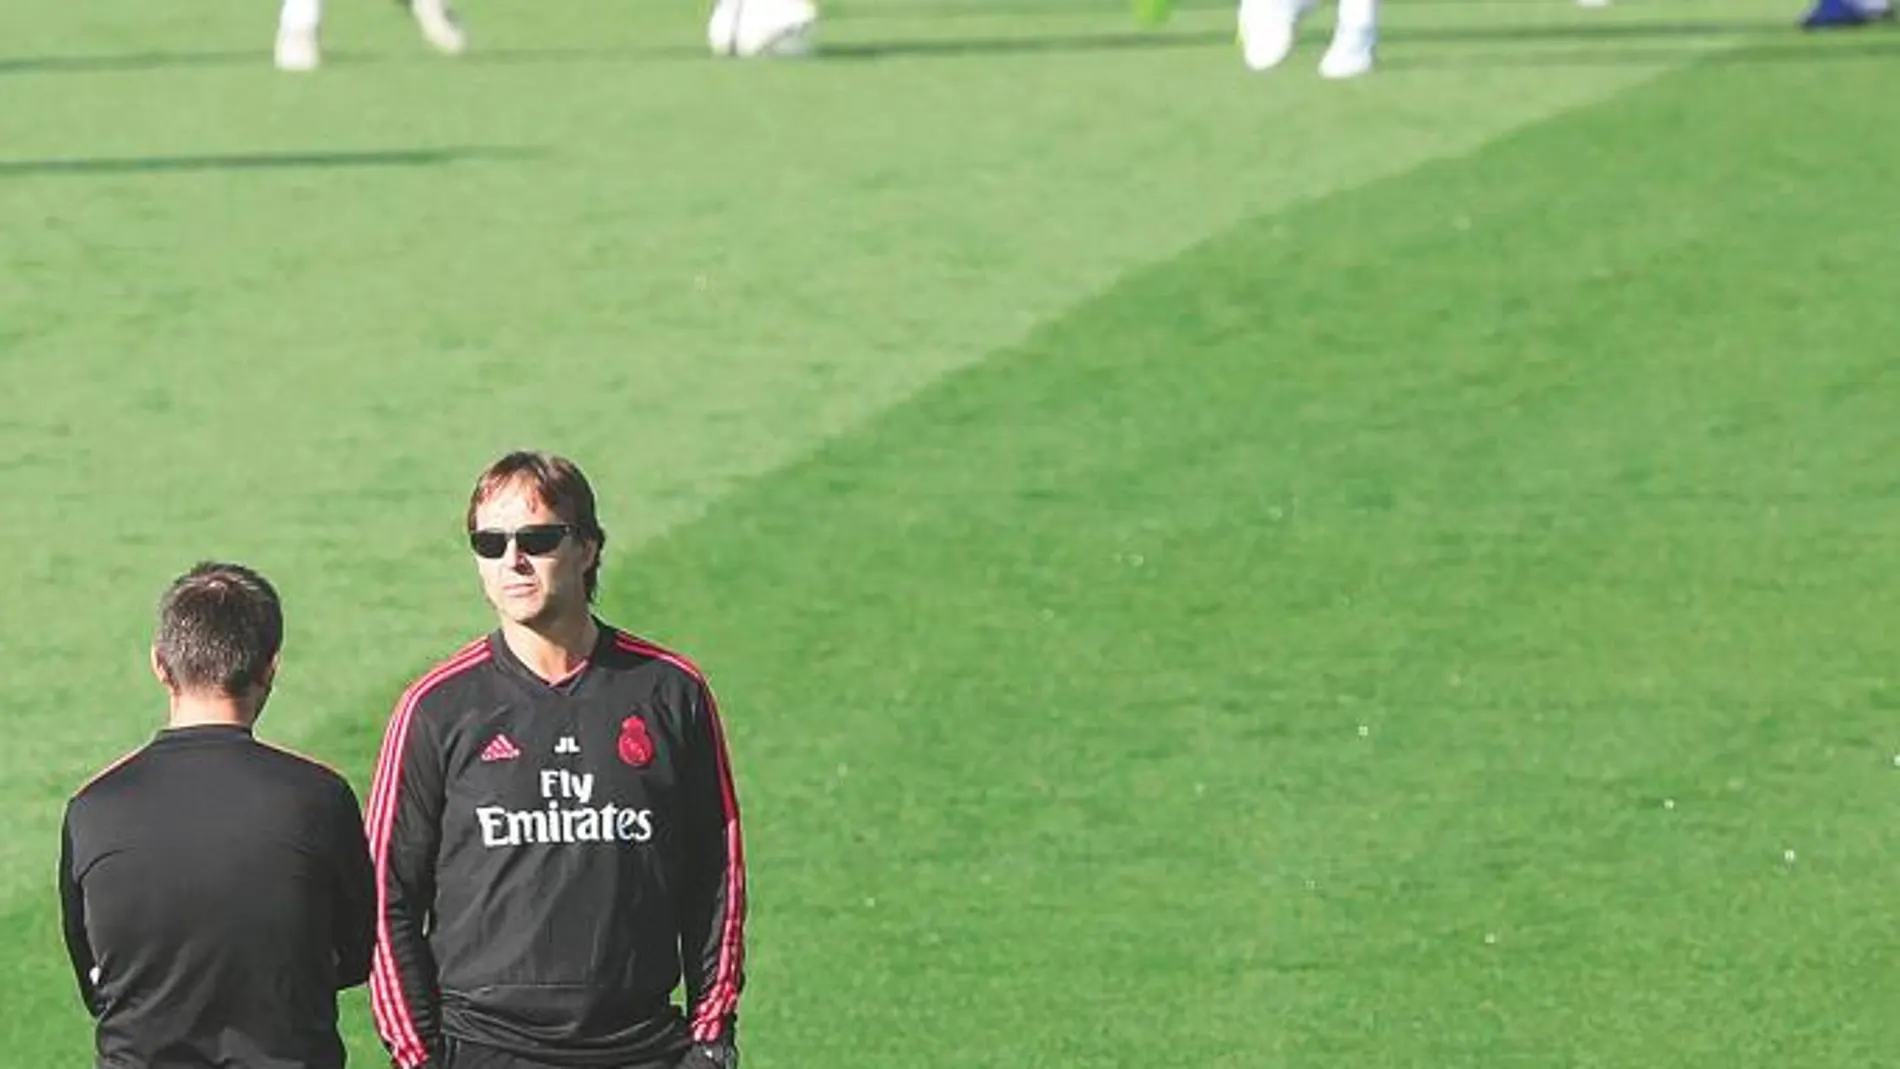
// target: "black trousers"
[[465, 1055]]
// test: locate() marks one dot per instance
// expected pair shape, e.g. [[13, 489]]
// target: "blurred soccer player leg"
[[1355, 37], [439, 25], [297, 25], [1267, 29]]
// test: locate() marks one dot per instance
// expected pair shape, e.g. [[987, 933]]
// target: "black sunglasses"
[[536, 539]]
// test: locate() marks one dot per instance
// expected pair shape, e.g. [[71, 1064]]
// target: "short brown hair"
[[560, 486], [220, 626]]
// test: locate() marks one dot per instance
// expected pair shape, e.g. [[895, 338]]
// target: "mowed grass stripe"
[[1560, 471]]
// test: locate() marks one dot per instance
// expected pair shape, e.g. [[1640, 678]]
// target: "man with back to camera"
[[554, 823], [216, 892]]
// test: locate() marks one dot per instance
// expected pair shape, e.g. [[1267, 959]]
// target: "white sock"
[[1871, 7], [1356, 15], [300, 15]]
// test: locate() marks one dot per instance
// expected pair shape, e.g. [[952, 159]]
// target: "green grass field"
[[1202, 569]]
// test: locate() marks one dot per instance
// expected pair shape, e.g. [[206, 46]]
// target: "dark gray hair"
[[219, 627]]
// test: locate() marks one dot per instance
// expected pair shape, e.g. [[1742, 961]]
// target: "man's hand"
[[721, 1055]]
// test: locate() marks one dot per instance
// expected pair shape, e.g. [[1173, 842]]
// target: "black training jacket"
[[553, 859], [216, 894]]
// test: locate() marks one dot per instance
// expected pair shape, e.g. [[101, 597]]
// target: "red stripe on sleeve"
[[724, 995], [393, 1018], [718, 1000]]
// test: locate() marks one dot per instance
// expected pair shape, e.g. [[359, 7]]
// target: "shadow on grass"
[[260, 59], [133, 61], [947, 47], [252, 161], [1795, 49]]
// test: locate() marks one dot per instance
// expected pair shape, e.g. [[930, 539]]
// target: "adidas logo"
[[500, 748]]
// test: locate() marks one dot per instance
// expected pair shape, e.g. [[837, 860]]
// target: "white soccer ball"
[[753, 28]]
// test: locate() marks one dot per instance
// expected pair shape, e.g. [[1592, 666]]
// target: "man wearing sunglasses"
[[554, 824]]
